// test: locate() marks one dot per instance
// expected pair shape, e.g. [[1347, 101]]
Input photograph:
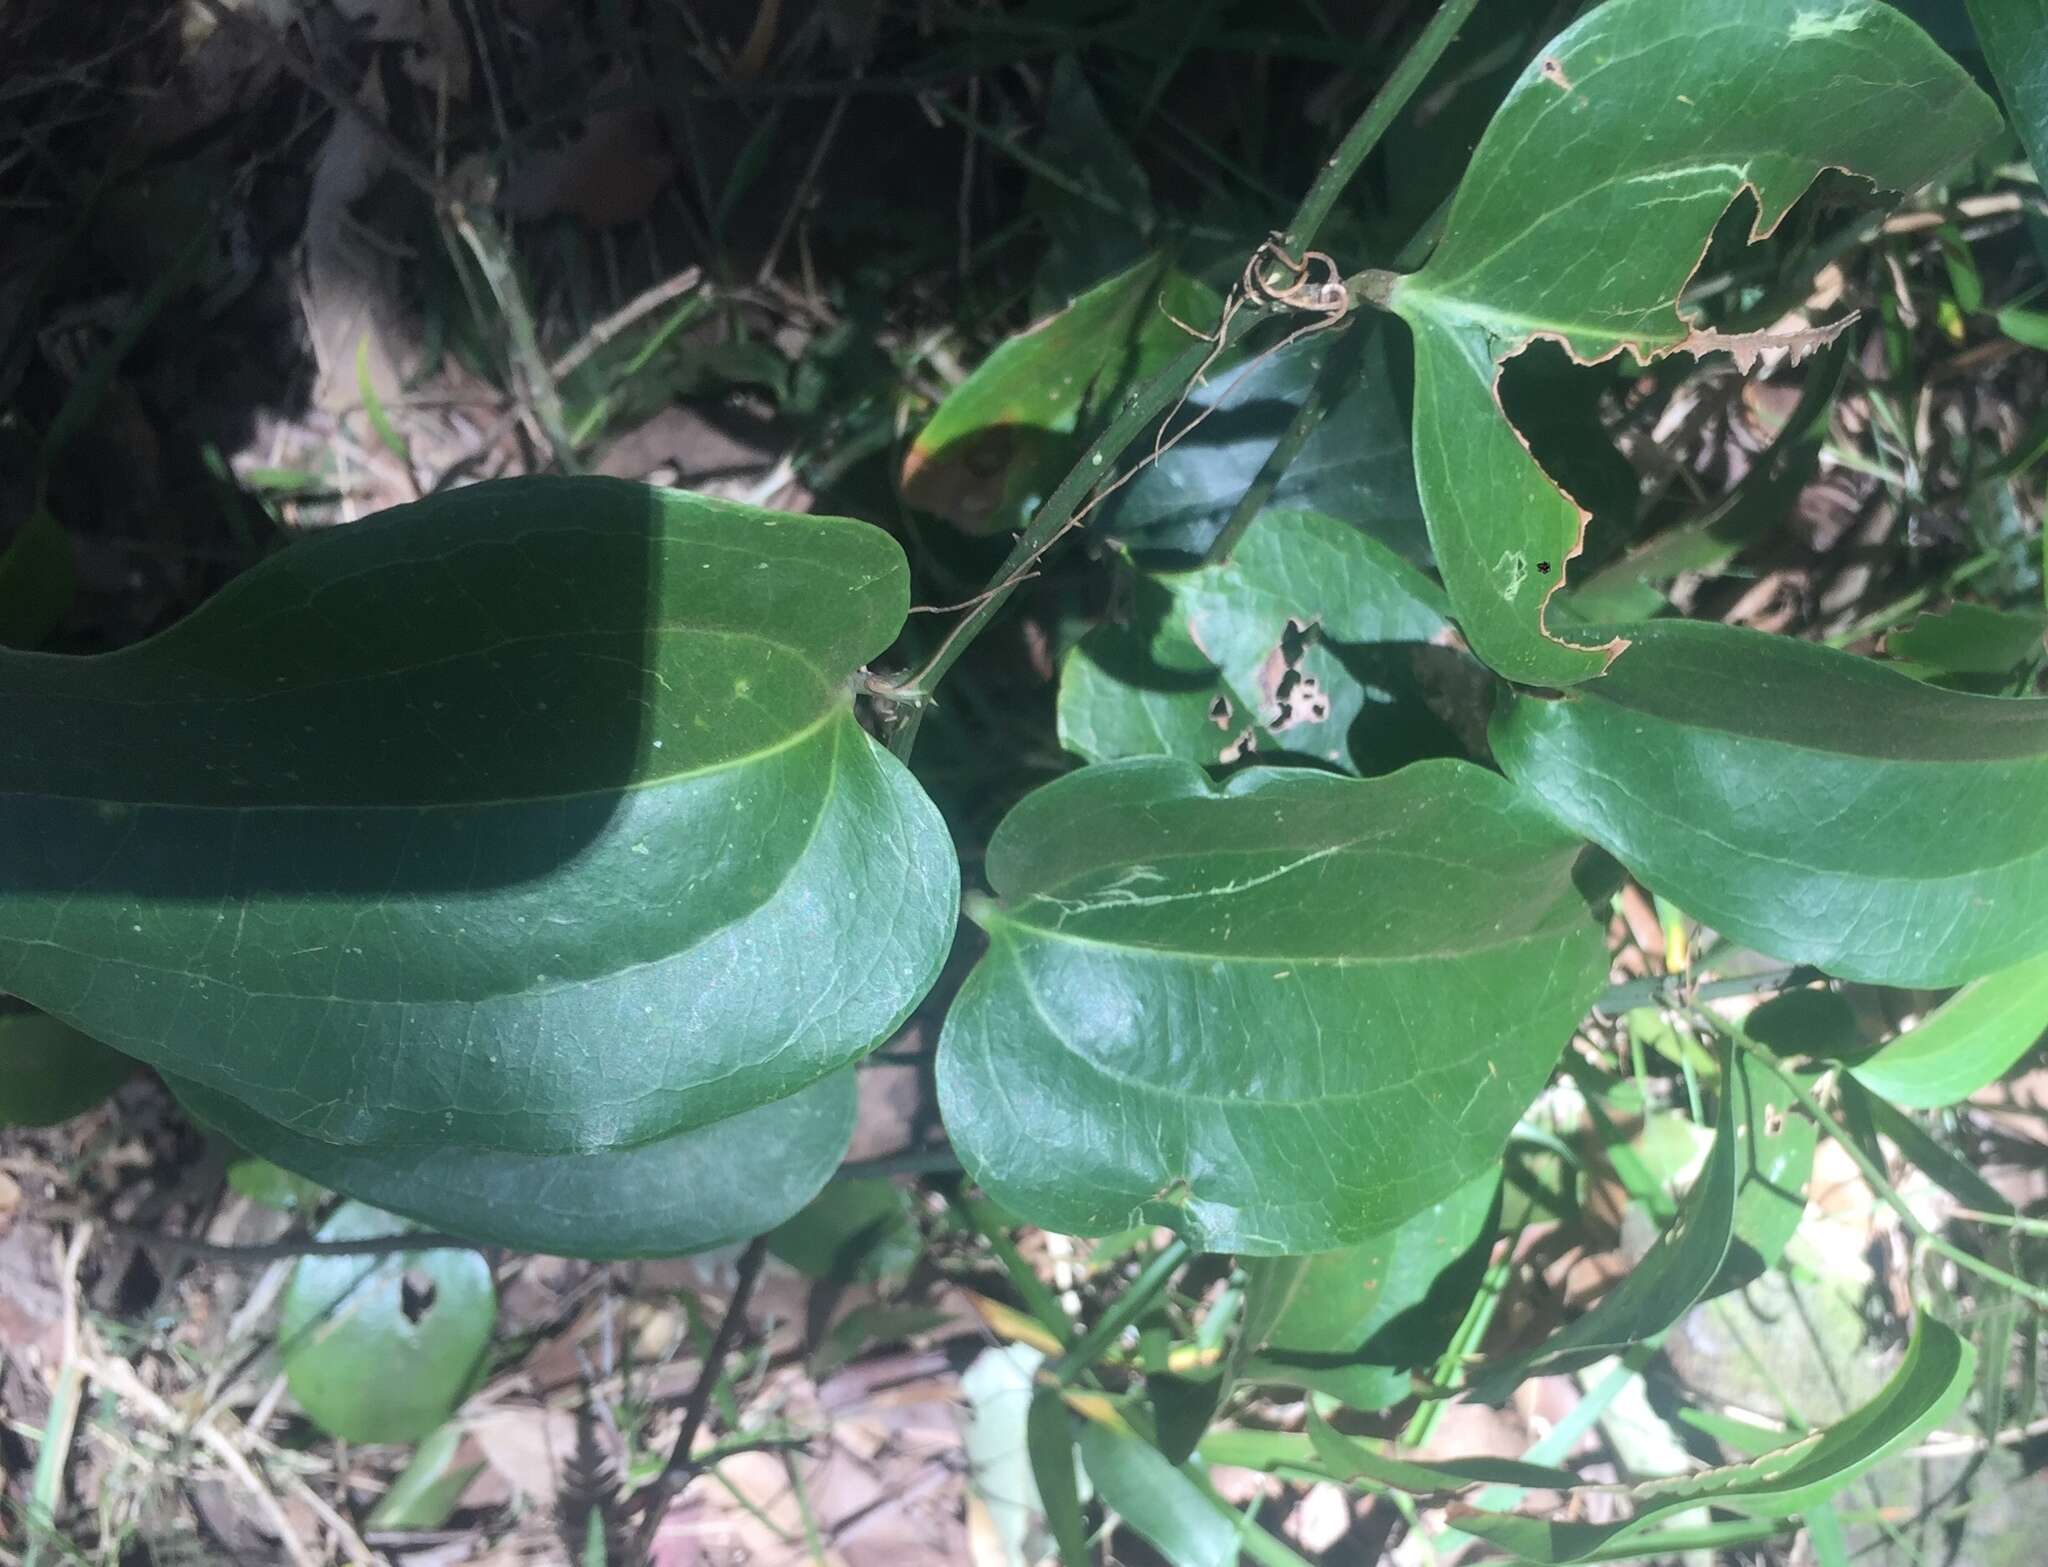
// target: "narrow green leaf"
[[1965, 1043], [1355, 466], [1931, 1381], [533, 817], [1362, 1320], [37, 580], [2028, 327], [1268, 654], [49, 1071], [381, 1349], [1001, 439], [867, 1326], [1049, 1432], [1589, 202], [1779, 792], [2015, 38], [1350, 1460], [1919, 1149], [1677, 1270], [1164, 1503], [1777, 1152], [427, 1491], [1280, 1014], [685, 1193]]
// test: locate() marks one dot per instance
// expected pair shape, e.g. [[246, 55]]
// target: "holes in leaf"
[[1219, 712], [416, 1294], [1293, 697]]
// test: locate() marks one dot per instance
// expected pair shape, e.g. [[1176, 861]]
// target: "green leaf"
[[1361, 1320], [1588, 204], [1265, 654], [1970, 639], [688, 1192], [1965, 1043], [1781, 793], [2015, 38], [1355, 466], [1164, 1502], [1088, 238], [429, 1489], [866, 1326], [382, 1349], [851, 1230], [273, 1186], [37, 580], [1279, 1014], [530, 818], [1776, 1157], [1049, 1435], [2027, 327], [1678, 1269], [49, 1071], [1350, 1460], [1931, 1382], [1002, 438]]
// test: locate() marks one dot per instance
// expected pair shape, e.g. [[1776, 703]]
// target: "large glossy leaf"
[[1931, 1381], [1264, 654], [1167, 1503], [1359, 1322], [687, 1192], [2015, 38], [1679, 1268], [1965, 1043], [49, 1071], [1280, 1014], [1355, 465], [1588, 203], [532, 817], [381, 1348], [1812, 805]]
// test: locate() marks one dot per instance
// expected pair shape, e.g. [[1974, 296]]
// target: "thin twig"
[[682, 1467], [271, 1251], [612, 325]]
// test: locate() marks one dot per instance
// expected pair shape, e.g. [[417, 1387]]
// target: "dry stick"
[[1056, 514], [681, 1467], [612, 325], [257, 1256]]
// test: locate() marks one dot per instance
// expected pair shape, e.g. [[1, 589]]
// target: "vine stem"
[[1879, 1183], [681, 1467], [1123, 1311], [1056, 514], [1378, 118]]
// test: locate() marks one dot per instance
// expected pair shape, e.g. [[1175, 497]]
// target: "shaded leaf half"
[[534, 816], [1812, 805], [684, 1193], [1280, 1014], [1588, 203]]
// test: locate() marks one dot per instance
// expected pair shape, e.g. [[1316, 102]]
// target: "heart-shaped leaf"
[[1588, 203], [382, 1348], [1280, 1014], [687, 1192], [1250, 656], [533, 817], [1812, 805]]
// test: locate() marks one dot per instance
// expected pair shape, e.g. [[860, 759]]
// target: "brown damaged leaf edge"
[[1583, 216]]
